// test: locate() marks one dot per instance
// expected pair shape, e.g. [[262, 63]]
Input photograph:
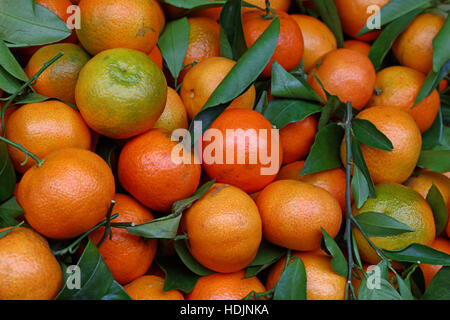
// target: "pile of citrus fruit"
[[224, 150]]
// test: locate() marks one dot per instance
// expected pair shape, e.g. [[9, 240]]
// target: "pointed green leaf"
[[7, 174], [367, 133], [328, 11], [338, 262], [281, 112], [189, 261], [292, 283], [380, 225], [441, 52], [419, 253], [435, 160], [437, 204], [178, 277], [438, 289], [231, 22]]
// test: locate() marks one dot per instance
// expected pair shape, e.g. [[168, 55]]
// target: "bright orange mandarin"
[[347, 74], [127, 256], [201, 81], [429, 271], [252, 137], [44, 127], [224, 229], [69, 194], [28, 269], [281, 5], [289, 50], [293, 213], [204, 42], [161, 16], [401, 129], [318, 39], [297, 139], [360, 46], [106, 24], [156, 56], [321, 281], [398, 87], [174, 115], [414, 47], [354, 16], [146, 170], [151, 288], [228, 286], [58, 80], [443, 85], [212, 13]]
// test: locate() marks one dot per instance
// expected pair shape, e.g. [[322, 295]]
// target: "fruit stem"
[[21, 148], [269, 15], [30, 82], [108, 224]]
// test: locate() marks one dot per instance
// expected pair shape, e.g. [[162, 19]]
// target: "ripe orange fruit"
[[212, 13], [401, 129], [246, 146], [403, 204], [289, 49], [347, 74], [224, 229], [318, 39], [156, 56], [424, 179], [297, 139], [414, 47], [442, 85], [174, 115], [398, 87], [121, 93], [354, 16], [293, 213], [281, 5], [105, 24], [322, 283], [204, 42], [68, 195], [201, 81], [161, 16], [429, 271], [44, 127], [147, 171], [58, 80], [28, 268], [127, 256], [360, 46], [151, 288], [228, 286]]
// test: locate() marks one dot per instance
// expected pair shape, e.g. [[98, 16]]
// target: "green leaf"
[[415, 253], [380, 225], [384, 42], [7, 82], [32, 97], [173, 44], [328, 11], [441, 52], [331, 106], [5, 232], [395, 9], [105, 148], [267, 255], [189, 261], [325, 152], [285, 85], [367, 133], [20, 25], [116, 292], [433, 136], [292, 283], [204, 119], [358, 160], [181, 205], [9, 211], [191, 4], [338, 262], [231, 22], [385, 291], [437, 204], [356, 252], [225, 46], [263, 103], [432, 81], [360, 187], [438, 289], [435, 160], [404, 287], [7, 174], [281, 112], [10, 64], [178, 277], [161, 228]]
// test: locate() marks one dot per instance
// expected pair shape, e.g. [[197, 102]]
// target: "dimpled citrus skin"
[[401, 129], [69, 194], [360, 46], [121, 93], [146, 170], [414, 47], [107, 24], [28, 269], [44, 127], [224, 229], [151, 288], [424, 179], [174, 115], [399, 87], [127, 256], [293, 213], [346, 73], [318, 39], [321, 281], [201, 81], [228, 286], [404, 205]]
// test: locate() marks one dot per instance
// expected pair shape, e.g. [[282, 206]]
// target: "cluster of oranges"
[[112, 71]]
